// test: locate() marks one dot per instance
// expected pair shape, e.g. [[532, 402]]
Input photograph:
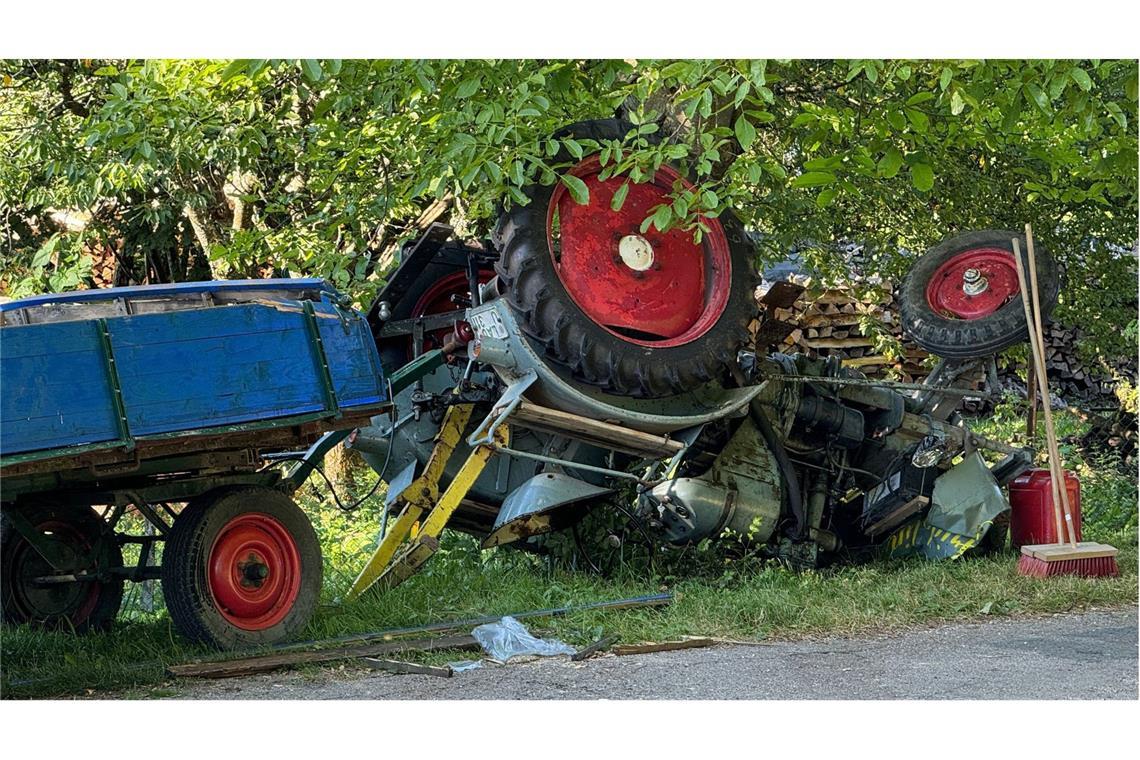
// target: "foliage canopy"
[[251, 166]]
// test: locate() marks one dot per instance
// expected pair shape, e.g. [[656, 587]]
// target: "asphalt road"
[[1091, 655]]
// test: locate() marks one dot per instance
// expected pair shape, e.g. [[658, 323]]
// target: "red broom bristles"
[[1091, 567]]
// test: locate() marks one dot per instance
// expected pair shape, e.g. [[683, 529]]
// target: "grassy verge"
[[738, 600]]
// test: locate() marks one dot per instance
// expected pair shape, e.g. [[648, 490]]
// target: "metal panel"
[[533, 508]]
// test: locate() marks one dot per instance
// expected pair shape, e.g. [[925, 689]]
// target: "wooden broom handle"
[[1038, 366], [1052, 432]]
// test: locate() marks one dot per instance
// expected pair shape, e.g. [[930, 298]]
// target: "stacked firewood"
[[1073, 379], [842, 321], [1114, 435], [104, 265]]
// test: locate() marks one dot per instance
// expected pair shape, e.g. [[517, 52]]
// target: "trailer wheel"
[[638, 313], [89, 542], [241, 568], [962, 300]]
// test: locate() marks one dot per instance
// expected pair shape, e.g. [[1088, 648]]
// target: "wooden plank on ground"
[[263, 663], [407, 668], [663, 646]]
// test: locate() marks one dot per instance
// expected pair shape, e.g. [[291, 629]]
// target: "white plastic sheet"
[[509, 638]]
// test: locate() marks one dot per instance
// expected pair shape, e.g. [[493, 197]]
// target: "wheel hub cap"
[[636, 252]]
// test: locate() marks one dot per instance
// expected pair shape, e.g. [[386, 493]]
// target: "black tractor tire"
[[569, 337], [195, 609], [985, 336], [84, 606]]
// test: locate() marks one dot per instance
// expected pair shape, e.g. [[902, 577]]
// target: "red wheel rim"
[[75, 601], [973, 284], [254, 571], [438, 300], [653, 289]]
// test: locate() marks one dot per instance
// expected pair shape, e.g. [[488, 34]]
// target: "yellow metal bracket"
[[426, 542], [419, 497]]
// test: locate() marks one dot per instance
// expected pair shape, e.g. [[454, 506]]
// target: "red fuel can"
[[1031, 503]]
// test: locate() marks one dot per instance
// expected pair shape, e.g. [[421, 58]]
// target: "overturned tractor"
[[583, 366]]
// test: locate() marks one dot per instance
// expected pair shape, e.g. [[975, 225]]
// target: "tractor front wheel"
[[962, 300]]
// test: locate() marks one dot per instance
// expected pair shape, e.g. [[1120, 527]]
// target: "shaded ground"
[[1091, 655]]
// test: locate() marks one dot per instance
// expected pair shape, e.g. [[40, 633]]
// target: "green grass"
[[753, 599]]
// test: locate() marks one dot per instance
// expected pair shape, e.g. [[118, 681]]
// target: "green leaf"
[[1039, 96], [922, 176], [825, 197], [918, 120], [1121, 119], [745, 132], [518, 196], [944, 80], [662, 216], [919, 97], [619, 197], [573, 146], [578, 190], [467, 88], [890, 162], [896, 120], [813, 179], [119, 90], [741, 93], [238, 66], [681, 207], [1081, 77], [957, 105], [311, 68], [43, 255]]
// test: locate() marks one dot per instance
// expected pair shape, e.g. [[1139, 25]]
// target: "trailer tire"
[[87, 606], [241, 568], [935, 312], [633, 312]]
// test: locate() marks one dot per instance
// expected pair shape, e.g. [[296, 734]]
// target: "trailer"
[[171, 402]]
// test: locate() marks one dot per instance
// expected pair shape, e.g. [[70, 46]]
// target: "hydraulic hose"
[[787, 471]]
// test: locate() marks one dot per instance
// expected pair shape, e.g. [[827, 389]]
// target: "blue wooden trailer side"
[[253, 352]]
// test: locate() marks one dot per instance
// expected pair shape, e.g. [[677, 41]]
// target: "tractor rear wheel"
[[645, 314], [241, 568]]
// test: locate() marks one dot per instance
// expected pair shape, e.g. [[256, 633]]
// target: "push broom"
[[1062, 558]]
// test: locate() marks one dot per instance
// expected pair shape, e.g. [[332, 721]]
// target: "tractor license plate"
[[488, 324]]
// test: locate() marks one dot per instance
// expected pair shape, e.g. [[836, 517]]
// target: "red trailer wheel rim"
[[58, 599], [973, 284], [254, 571], [652, 289]]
